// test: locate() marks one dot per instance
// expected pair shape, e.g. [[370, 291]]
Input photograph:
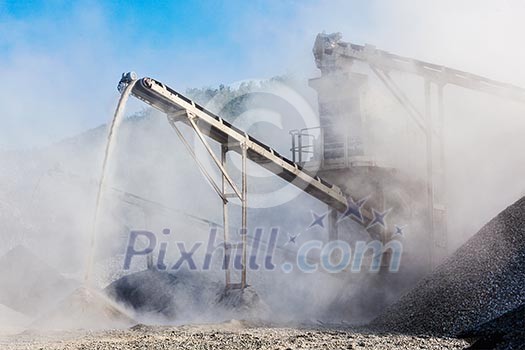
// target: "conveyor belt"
[[179, 108], [331, 46]]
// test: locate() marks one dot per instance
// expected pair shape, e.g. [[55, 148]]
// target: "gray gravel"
[[482, 280], [230, 335]]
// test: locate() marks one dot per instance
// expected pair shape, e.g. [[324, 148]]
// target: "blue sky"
[[147, 35], [132, 25], [60, 60]]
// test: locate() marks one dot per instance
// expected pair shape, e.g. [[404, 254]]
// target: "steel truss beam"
[[435, 172], [438, 74]]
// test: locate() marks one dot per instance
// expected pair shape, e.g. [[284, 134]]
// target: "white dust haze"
[[48, 187]]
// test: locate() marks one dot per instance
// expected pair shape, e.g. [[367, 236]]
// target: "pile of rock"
[[482, 280], [182, 296], [85, 309], [29, 285]]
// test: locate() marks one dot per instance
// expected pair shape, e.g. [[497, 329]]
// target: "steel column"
[[442, 168], [225, 221], [430, 170], [244, 228], [300, 147], [332, 226]]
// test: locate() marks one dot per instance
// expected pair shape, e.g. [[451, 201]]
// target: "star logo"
[[318, 220], [354, 209], [399, 230], [379, 218], [291, 238]]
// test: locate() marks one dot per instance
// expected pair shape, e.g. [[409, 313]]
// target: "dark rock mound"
[[159, 294], [146, 292], [482, 280], [189, 296]]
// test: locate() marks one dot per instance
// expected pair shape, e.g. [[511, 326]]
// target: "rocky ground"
[[229, 335]]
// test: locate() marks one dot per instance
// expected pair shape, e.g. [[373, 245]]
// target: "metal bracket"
[[222, 190], [217, 162], [201, 166]]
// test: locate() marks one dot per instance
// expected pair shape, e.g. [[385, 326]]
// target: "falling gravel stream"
[[110, 144]]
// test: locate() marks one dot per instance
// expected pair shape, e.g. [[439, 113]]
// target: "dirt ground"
[[228, 335]]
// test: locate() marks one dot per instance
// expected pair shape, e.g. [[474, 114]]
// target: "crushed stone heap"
[[85, 308], [29, 285], [12, 318], [182, 296], [482, 280]]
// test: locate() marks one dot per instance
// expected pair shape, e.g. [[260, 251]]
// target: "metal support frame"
[[191, 119], [333, 233], [150, 265], [201, 167], [225, 222], [244, 224], [436, 170], [424, 122], [401, 97], [179, 108], [331, 53], [344, 53], [430, 170], [440, 187], [226, 184]]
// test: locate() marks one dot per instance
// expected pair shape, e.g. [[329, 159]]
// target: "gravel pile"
[[11, 319], [29, 285], [146, 292], [183, 296], [482, 280], [85, 309]]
